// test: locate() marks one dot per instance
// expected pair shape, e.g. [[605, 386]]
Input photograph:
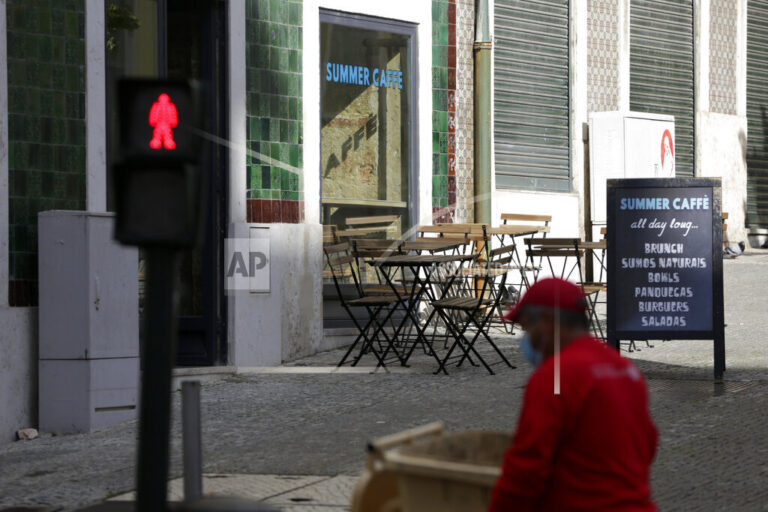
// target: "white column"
[[4, 199], [311, 112], [95, 107], [741, 59], [237, 112]]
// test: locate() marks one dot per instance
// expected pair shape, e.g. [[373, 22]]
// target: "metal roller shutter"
[[757, 113], [531, 103], [661, 69]]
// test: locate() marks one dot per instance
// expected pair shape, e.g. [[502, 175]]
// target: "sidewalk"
[[285, 492], [300, 433]]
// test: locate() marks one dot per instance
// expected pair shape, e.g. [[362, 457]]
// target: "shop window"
[[367, 81]]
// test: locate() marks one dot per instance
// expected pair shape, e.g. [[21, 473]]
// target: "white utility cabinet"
[[88, 322], [627, 145]]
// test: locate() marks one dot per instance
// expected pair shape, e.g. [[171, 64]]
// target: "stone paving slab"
[[252, 487], [293, 493], [335, 492]]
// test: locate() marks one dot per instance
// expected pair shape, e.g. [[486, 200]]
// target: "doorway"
[[183, 39]]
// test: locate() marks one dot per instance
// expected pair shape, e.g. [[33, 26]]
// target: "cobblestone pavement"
[[305, 420]]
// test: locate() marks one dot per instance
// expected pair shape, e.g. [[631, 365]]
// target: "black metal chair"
[[343, 266], [477, 306]]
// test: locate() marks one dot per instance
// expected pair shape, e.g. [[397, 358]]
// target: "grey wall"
[[18, 370]]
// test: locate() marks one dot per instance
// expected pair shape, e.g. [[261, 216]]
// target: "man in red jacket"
[[585, 439]]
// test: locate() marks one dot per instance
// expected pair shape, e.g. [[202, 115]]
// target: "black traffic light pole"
[[155, 414], [158, 207]]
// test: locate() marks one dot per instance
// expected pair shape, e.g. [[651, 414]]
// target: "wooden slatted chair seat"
[[365, 226], [374, 300], [553, 247], [388, 290], [526, 217], [513, 228], [445, 230], [591, 288], [570, 241], [555, 253], [349, 233], [483, 272], [376, 248], [461, 303], [374, 219], [344, 272]]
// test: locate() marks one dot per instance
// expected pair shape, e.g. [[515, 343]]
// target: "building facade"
[[318, 111]]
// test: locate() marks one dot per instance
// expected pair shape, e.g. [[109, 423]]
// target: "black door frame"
[[213, 322]]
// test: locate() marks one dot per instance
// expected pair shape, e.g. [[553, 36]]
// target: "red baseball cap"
[[550, 293]]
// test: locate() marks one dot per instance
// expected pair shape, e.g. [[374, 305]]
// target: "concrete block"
[[79, 395]]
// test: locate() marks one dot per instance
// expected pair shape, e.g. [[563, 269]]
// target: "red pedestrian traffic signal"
[[163, 117], [159, 121], [158, 180]]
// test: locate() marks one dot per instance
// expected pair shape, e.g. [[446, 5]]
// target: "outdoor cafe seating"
[[449, 283]]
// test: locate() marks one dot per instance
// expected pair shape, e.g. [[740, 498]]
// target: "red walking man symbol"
[[163, 117]]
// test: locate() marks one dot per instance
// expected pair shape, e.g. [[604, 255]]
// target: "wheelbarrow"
[[426, 469]]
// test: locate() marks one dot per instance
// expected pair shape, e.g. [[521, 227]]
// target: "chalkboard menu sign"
[[665, 276]]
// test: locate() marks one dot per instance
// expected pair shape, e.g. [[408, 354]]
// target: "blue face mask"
[[533, 356]]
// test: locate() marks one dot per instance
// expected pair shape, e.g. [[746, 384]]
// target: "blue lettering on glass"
[[362, 75]]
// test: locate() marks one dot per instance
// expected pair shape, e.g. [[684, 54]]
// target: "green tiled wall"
[[274, 103], [443, 88], [46, 122]]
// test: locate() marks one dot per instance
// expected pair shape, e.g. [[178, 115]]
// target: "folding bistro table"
[[423, 268], [434, 245]]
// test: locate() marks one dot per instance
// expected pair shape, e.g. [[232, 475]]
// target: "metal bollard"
[[191, 440]]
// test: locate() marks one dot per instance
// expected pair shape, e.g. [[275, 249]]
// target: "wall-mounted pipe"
[[482, 122]]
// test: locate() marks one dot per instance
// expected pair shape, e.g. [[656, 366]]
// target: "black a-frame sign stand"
[[665, 265]]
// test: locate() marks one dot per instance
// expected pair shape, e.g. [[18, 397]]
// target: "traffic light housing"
[[158, 180]]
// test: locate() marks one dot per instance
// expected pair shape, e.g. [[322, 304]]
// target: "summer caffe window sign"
[[361, 75]]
